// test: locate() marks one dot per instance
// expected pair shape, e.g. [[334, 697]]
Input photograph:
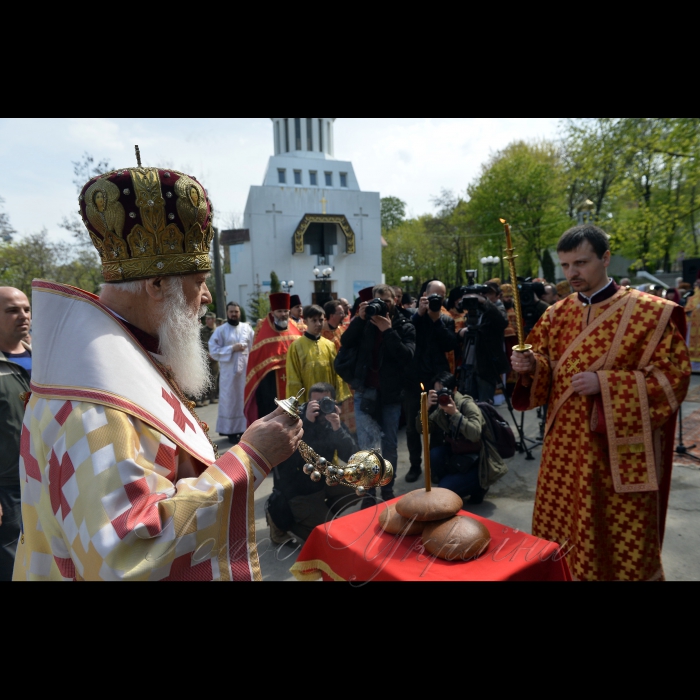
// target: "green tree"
[[6, 229], [524, 184], [258, 303], [393, 213], [36, 257], [275, 285], [83, 170]]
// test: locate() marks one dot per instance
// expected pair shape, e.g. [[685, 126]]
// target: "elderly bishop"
[[119, 478]]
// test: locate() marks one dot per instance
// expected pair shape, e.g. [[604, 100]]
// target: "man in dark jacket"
[[435, 336], [385, 342], [299, 504], [483, 353], [15, 371]]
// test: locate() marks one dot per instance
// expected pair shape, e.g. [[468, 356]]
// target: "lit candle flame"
[[422, 388], [503, 221]]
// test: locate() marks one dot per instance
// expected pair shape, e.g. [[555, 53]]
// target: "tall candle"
[[426, 436]]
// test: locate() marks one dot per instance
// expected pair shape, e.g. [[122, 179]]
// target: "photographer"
[[297, 504], [465, 463], [385, 342], [435, 336], [483, 354]]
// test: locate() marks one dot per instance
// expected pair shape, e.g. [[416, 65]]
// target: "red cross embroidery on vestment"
[[179, 417]]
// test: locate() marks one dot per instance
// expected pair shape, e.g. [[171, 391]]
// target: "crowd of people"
[[107, 472]]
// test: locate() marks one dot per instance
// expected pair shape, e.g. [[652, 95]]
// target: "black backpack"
[[503, 438]]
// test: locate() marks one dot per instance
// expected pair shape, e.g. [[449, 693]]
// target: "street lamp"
[[323, 275], [407, 279], [286, 286], [490, 261]]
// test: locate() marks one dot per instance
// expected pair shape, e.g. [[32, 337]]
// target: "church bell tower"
[[309, 222]]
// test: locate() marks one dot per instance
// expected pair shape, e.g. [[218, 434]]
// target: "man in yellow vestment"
[[612, 364], [119, 478], [310, 359]]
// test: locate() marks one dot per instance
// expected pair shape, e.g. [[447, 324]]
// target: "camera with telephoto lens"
[[326, 405], [444, 396], [435, 302], [376, 307]]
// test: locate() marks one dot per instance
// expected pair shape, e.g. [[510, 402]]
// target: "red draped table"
[[355, 548]]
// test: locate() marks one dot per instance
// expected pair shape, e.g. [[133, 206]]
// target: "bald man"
[[15, 371]]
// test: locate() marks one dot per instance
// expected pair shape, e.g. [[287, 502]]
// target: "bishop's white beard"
[[180, 344]]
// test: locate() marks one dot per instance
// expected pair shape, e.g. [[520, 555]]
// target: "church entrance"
[[322, 238], [322, 293]]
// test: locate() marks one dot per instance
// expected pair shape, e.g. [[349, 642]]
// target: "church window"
[[329, 179], [277, 137], [320, 135], [297, 177], [286, 135], [328, 140], [309, 135], [282, 176], [343, 179], [313, 178], [297, 134]]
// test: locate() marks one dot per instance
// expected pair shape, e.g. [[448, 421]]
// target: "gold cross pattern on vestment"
[[572, 366]]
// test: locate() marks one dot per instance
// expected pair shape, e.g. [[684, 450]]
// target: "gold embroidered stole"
[[618, 346]]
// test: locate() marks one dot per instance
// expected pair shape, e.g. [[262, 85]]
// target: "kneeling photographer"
[[483, 353], [297, 504], [467, 462]]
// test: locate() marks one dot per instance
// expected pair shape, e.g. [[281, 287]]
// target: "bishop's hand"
[[276, 436]]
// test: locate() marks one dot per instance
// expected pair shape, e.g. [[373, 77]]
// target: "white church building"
[[309, 222]]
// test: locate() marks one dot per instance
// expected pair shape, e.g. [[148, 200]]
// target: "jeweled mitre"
[[148, 222]]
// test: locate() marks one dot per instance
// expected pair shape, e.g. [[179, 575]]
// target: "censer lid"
[[291, 405]]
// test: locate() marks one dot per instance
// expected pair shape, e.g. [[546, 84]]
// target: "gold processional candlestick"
[[426, 436], [521, 346]]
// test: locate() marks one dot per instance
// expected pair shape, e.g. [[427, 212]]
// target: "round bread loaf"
[[458, 539], [436, 504], [393, 523]]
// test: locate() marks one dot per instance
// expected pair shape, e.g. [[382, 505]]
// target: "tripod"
[[467, 385], [681, 449], [522, 445]]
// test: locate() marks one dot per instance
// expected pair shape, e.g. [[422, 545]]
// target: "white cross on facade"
[[274, 211], [361, 215]]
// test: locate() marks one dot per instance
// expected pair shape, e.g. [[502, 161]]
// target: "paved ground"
[[510, 500]]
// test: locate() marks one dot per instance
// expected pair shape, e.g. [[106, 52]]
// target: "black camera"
[[444, 396], [326, 405], [376, 307], [470, 303], [435, 302]]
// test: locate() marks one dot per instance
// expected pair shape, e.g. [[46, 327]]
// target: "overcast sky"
[[409, 158]]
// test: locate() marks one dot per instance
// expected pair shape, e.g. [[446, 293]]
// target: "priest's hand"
[[523, 362], [276, 436], [585, 383]]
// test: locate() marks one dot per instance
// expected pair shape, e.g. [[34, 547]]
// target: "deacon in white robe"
[[230, 345]]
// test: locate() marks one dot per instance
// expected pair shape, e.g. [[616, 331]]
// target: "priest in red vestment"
[[612, 365], [267, 376]]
